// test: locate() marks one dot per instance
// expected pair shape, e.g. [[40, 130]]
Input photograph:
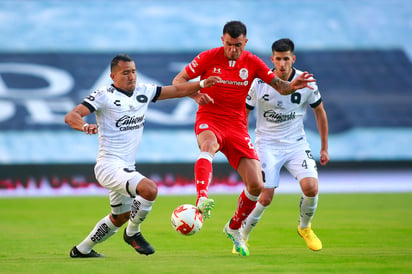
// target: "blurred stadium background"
[[54, 53]]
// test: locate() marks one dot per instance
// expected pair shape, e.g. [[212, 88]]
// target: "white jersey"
[[279, 120], [120, 118]]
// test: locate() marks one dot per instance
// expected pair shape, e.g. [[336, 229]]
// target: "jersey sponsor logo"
[[234, 83], [117, 103], [128, 122], [273, 116], [243, 73]]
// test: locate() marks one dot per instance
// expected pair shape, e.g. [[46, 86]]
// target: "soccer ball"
[[187, 219]]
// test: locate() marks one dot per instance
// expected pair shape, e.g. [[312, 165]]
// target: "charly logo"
[[243, 74], [128, 122]]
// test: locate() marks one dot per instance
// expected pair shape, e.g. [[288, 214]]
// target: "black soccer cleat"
[[75, 253], [138, 243]]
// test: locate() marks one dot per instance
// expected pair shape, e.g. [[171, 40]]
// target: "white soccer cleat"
[[244, 235], [240, 246]]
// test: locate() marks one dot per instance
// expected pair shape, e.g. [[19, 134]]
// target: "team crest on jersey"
[[309, 154], [203, 126], [243, 73]]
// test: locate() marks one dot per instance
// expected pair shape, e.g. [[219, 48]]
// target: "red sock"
[[244, 207], [203, 176]]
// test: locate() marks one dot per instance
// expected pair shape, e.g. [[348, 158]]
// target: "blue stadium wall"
[[359, 55], [369, 117]]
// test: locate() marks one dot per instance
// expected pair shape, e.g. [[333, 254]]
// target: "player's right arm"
[[74, 119], [181, 89], [200, 98], [322, 123], [181, 77]]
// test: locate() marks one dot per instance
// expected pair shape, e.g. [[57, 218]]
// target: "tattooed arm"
[[286, 87]]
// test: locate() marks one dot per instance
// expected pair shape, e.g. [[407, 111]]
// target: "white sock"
[[139, 211], [308, 207], [103, 230], [253, 219]]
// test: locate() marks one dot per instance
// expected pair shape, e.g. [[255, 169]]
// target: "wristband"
[[202, 83], [85, 125]]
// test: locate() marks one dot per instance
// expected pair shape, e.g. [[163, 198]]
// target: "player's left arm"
[[286, 87], [322, 124]]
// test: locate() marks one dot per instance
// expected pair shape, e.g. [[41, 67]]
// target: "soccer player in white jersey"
[[120, 111], [281, 141]]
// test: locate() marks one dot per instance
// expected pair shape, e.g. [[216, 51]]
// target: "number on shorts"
[[305, 164], [249, 142]]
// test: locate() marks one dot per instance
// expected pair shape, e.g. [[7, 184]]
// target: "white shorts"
[[121, 183], [297, 159]]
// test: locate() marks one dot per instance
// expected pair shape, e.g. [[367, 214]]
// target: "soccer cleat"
[[244, 237], [240, 246], [75, 253], [205, 206], [138, 243], [310, 237], [234, 248]]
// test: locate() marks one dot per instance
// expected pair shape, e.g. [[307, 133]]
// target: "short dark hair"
[[120, 57], [282, 45], [234, 29]]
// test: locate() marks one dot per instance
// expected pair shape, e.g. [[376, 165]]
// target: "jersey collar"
[[291, 75], [129, 94]]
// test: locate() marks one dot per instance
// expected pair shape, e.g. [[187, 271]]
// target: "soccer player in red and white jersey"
[[222, 126]]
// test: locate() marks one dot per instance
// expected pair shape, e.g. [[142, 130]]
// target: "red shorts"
[[234, 140]]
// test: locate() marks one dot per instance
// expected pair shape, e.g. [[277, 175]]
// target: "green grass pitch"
[[361, 233]]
